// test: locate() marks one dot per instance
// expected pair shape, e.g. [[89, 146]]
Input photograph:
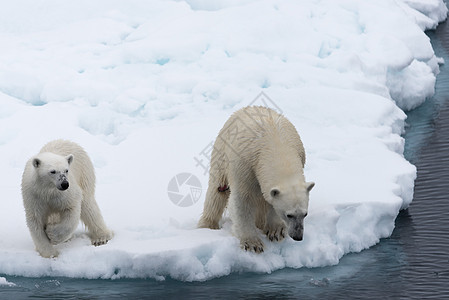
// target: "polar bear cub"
[[58, 189], [257, 165]]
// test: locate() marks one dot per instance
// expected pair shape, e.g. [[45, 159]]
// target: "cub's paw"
[[48, 252], [101, 239], [276, 233], [55, 234], [252, 244]]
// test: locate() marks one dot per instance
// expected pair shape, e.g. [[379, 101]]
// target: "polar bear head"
[[291, 202], [53, 169]]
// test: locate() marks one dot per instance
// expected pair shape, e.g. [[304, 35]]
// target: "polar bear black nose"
[[297, 237], [64, 185]]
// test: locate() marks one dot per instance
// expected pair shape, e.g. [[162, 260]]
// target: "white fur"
[[52, 209], [259, 154]]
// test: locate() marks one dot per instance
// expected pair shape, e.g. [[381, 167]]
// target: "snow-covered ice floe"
[[145, 87]]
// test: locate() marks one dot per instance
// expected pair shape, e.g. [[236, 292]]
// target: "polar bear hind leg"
[[214, 206]]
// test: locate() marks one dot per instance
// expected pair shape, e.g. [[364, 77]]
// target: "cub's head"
[[291, 203], [53, 169]]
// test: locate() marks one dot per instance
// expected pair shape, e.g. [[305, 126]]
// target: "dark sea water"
[[412, 264]]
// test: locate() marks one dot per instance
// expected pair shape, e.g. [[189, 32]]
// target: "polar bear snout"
[[63, 186], [295, 227], [63, 183], [297, 236], [296, 232]]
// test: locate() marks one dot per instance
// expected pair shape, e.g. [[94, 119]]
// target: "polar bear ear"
[[309, 186], [69, 158], [36, 162], [274, 192]]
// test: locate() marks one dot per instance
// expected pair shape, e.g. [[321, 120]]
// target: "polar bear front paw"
[[101, 239], [48, 252], [56, 234], [252, 244], [276, 233]]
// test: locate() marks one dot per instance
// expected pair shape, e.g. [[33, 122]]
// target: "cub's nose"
[[64, 185]]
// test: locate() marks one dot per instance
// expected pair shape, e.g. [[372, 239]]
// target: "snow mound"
[[4, 282]]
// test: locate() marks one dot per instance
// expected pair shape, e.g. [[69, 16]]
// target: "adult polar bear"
[[257, 163], [58, 188]]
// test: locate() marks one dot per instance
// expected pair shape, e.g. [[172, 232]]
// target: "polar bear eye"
[[53, 172], [290, 216], [66, 171]]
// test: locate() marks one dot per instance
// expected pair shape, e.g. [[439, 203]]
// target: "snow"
[[4, 282], [145, 87]]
